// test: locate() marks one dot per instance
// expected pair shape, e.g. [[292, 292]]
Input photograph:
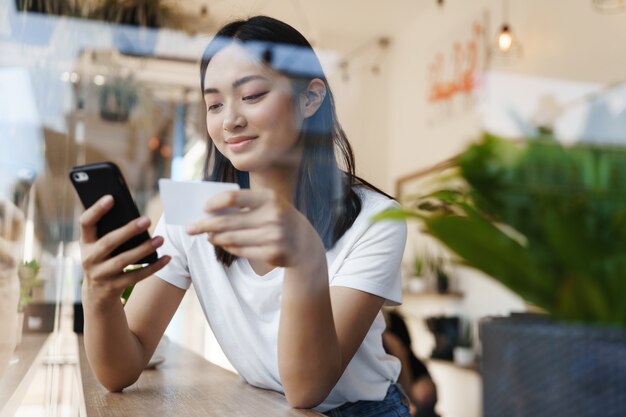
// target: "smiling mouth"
[[239, 143], [239, 139]]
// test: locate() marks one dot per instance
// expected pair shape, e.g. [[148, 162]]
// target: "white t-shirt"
[[243, 308]]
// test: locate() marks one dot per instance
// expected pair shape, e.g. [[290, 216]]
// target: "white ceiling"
[[342, 25]]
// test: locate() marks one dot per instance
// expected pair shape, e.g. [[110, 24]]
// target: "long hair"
[[326, 177]]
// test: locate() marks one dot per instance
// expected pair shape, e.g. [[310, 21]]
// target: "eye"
[[254, 96], [214, 107]]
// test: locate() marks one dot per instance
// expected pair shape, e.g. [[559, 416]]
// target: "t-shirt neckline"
[[249, 271]]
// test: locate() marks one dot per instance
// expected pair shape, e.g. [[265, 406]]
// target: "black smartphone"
[[94, 181]]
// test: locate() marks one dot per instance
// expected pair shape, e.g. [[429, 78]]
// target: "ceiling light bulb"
[[99, 79], [505, 38]]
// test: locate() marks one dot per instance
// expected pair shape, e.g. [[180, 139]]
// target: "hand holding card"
[[183, 201]]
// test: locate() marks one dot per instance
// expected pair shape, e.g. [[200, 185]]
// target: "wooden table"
[[19, 374], [185, 385]]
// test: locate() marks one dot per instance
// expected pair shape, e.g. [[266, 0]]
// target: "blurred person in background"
[[414, 377]]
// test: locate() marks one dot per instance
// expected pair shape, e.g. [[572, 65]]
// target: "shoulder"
[[373, 202], [364, 225]]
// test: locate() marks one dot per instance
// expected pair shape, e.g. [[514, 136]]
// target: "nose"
[[233, 119]]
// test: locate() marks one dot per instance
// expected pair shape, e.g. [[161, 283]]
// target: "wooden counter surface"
[[17, 377], [185, 385]]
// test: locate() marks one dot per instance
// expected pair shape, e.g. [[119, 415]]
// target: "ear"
[[312, 98]]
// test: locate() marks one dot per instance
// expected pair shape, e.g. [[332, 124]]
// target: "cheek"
[[278, 115], [214, 126]]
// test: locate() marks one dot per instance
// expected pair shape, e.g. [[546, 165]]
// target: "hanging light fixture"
[[505, 38], [506, 41]]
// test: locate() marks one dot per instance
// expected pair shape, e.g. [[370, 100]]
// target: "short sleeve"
[[176, 272], [372, 263]]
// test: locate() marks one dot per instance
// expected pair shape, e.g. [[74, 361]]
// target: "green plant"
[[143, 13], [126, 294], [547, 221], [146, 13], [28, 272], [418, 266], [117, 98]]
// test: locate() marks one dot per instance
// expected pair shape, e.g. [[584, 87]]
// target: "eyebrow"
[[237, 83]]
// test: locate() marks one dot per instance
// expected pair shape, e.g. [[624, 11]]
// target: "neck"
[[282, 182]]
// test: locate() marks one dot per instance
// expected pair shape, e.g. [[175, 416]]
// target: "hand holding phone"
[[92, 182], [113, 235]]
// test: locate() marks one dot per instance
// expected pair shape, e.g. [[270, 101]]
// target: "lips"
[[239, 139], [239, 143]]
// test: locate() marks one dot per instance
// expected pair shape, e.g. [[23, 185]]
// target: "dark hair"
[[325, 187]]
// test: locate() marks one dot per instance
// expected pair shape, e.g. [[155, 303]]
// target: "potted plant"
[[118, 97], [28, 273], [464, 349], [442, 280], [548, 222], [137, 22]]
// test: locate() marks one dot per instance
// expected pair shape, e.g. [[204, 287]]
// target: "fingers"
[[259, 207], [246, 237], [90, 217], [126, 279], [131, 278], [116, 264], [224, 222], [109, 242], [237, 199]]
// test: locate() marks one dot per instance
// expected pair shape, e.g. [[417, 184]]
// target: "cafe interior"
[[498, 125]]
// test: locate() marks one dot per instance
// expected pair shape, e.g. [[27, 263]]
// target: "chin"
[[245, 164]]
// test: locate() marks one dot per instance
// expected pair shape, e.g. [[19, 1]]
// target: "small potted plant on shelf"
[[464, 349], [442, 278], [28, 273], [549, 222], [415, 280]]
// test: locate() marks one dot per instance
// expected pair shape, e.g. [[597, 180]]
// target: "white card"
[[183, 201]]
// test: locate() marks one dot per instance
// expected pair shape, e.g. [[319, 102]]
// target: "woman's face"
[[250, 112]]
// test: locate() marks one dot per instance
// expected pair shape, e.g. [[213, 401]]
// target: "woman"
[[290, 271]]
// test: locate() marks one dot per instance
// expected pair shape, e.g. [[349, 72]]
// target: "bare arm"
[[119, 341], [320, 331]]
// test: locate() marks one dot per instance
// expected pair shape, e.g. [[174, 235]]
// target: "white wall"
[[362, 100]]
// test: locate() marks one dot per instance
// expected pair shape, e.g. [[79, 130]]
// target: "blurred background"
[[415, 81]]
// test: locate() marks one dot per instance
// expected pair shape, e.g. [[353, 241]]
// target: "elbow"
[[308, 386], [308, 392], [116, 385], [113, 388], [304, 399]]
